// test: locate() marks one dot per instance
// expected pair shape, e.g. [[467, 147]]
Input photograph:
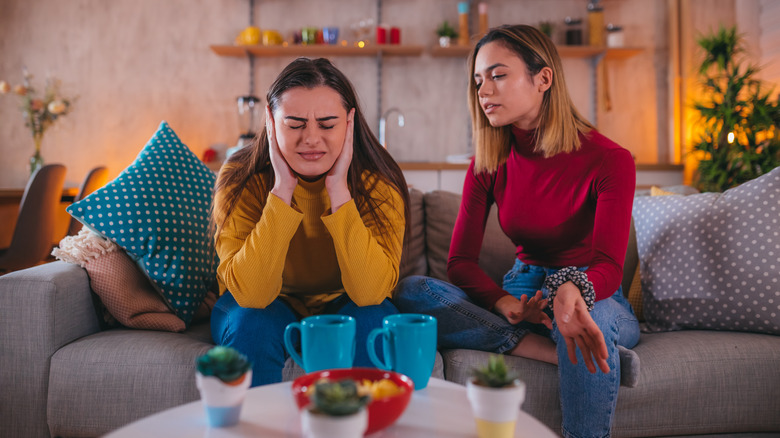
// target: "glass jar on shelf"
[[614, 36], [573, 31]]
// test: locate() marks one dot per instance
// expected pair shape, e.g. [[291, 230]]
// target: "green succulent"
[[225, 363], [446, 30], [547, 28], [494, 374], [338, 397]]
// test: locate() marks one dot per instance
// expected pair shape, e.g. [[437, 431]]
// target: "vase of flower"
[[36, 160], [39, 112]]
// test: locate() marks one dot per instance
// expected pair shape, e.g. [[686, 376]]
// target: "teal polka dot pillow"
[[157, 210]]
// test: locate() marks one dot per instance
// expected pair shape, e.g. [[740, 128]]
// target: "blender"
[[248, 119]]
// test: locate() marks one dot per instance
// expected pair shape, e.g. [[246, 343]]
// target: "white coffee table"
[[439, 410]]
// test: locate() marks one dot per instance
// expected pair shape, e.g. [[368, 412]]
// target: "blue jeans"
[[259, 333], [587, 400]]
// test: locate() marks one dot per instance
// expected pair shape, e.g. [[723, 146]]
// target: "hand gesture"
[[284, 177], [336, 179], [524, 309], [578, 328]]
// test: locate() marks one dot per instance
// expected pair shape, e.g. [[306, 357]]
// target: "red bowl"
[[382, 412]]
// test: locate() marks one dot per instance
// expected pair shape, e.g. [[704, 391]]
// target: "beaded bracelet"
[[579, 278]]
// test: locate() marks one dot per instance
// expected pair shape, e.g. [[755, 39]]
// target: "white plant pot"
[[317, 425], [222, 401], [495, 409], [444, 41]]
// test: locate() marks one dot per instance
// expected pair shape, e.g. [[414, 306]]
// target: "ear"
[[543, 79]]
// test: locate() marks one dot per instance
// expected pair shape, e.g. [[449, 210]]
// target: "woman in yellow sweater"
[[310, 219]]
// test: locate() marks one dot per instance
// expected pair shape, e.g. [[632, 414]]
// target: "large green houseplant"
[[740, 120]]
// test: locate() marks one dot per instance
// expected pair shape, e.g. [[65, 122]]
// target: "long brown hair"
[[560, 123], [368, 155]]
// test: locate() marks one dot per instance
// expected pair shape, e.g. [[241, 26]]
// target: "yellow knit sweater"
[[304, 253]]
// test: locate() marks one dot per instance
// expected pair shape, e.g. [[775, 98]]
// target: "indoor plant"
[[337, 410], [739, 120], [446, 33], [547, 28], [223, 378], [39, 112], [495, 395]]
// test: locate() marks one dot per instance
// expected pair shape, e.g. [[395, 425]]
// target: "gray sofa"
[[62, 376]]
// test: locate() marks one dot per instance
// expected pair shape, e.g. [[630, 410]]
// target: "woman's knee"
[[231, 322], [409, 285], [610, 317]]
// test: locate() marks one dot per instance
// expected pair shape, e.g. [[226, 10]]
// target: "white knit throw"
[[83, 247]]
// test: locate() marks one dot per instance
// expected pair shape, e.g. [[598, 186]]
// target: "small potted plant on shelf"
[[337, 410], [495, 395], [223, 378], [547, 28], [446, 34]]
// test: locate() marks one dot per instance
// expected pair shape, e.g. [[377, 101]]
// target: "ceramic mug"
[[409, 345], [327, 341]]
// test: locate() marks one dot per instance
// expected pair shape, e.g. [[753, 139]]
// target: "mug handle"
[[288, 342], [371, 347]]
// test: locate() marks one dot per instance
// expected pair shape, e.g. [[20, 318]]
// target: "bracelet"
[[579, 278]]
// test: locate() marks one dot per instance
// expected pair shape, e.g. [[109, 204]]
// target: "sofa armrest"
[[41, 309]]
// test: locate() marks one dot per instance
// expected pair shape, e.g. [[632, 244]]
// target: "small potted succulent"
[[337, 410], [495, 395], [446, 34], [547, 28], [223, 378]]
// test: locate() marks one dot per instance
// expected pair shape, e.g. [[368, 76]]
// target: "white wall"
[[133, 63]]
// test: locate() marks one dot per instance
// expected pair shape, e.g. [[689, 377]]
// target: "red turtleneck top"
[[567, 210]]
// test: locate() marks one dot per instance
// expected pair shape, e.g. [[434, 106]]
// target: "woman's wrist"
[[577, 278], [283, 194], [339, 195]]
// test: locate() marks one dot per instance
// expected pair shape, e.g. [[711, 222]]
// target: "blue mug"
[[327, 342], [409, 345]]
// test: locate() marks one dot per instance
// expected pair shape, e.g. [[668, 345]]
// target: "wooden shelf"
[[622, 53], [317, 50], [404, 50]]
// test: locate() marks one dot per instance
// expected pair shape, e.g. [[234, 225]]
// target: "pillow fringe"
[[83, 247]]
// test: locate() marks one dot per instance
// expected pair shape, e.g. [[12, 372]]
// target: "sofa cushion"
[[106, 380], [158, 211], [441, 209], [413, 260], [692, 382], [710, 260]]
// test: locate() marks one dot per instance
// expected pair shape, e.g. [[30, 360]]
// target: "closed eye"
[[296, 127], [326, 126], [497, 77]]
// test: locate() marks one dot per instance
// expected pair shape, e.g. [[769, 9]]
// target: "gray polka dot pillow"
[[157, 210], [712, 260]]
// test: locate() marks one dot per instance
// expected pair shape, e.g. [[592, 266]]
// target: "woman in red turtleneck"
[[564, 194]]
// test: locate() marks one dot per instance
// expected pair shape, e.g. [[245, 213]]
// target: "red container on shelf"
[[381, 35], [395, 35]]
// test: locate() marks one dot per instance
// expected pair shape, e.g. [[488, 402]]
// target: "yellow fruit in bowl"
[[272, 38], [380, 388], [250, 36]]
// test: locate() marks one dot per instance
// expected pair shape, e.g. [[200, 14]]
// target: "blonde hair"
[[560, 124]]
